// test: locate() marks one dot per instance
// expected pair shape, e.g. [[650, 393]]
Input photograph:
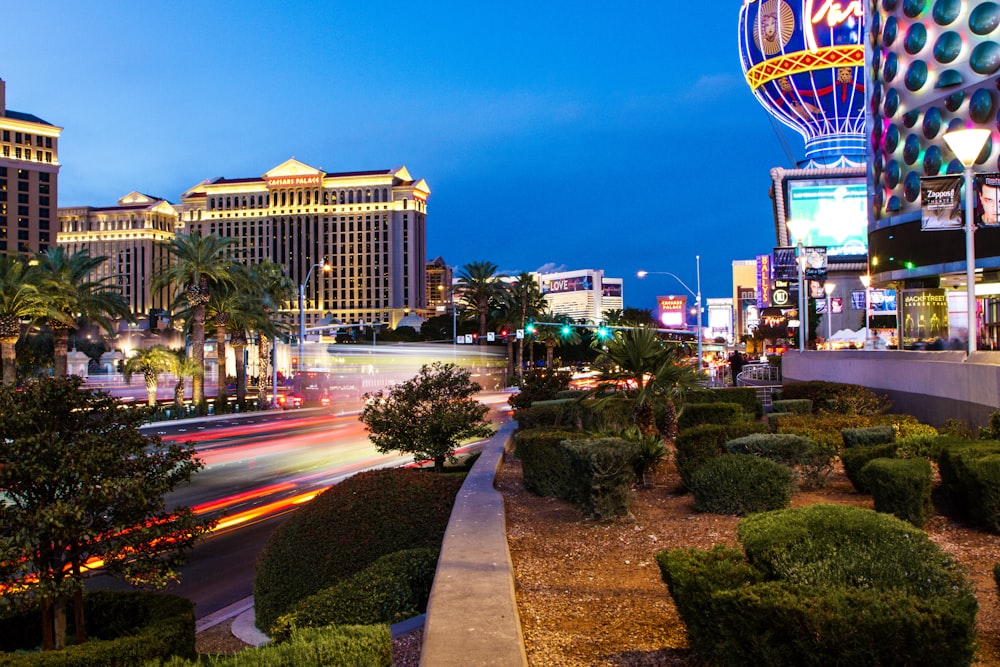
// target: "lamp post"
[[828, 287], [302, 308], [696, 295], [866, 280], [967, 144], [798, 229]]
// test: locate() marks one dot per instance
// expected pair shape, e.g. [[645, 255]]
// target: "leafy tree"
[[427, 415], [19, 300], [81, 482], [555, 336], [477, 287], [150, 361], [195, 264], [642, 317], [276, 290], [524, 302], [71, 292]]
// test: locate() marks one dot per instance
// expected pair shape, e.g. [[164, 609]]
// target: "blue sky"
[[615, 136]]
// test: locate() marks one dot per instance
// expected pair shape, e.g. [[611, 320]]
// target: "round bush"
[[741, 484]]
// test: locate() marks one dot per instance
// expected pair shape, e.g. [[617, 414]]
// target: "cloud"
[[551, 267], [712, 87]]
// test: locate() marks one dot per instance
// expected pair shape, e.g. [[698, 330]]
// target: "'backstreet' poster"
[[925, 319]]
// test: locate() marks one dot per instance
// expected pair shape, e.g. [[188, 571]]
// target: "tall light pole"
[[967, 144], [302, 309], [866, 280], [696, 295], [798, 229], [828, 287]]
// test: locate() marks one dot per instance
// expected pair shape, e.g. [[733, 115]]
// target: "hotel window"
[[48, 142], [17, 152], [22, 199], [17, 137], [6, 135], [6, 151], [27, 139]]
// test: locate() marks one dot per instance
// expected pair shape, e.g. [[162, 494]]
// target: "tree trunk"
[[222, 393], [264, 366], [9, 357], [645, 418], [241, 372], [152, 383], [59, 623], [549, 353], [439, 464], [78, 618], [179, 392], [60, 339], [198, 354], [48, 642]]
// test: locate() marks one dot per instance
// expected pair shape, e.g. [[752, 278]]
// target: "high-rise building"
[[369, 227], [128, 235], [583, 295], [29, 178], [439, 279]]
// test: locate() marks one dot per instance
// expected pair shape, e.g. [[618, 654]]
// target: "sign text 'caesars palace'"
[[291, 181]]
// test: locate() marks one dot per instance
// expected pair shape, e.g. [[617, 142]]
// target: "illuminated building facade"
[[369, 226], [29, 180], [439, 285], [128, 235], [582, 295]]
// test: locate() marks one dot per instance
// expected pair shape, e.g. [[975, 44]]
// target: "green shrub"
[[798, 406], [745, 396], [964, 481], [925, 443], [740, 484], [563, 412], [330, 646], [856, 458], [812, 463], [539, 385], [991, 432], [544, 465], [867, 436], [392, 589], [826, 428], [901, 487], [982, 491], [611, 414], [837, 397], [348, 527], [124, 628], [775, 419], [695, 414], [701, 443], [603, 470]]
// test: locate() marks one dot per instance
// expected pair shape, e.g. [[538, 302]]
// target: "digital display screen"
[[833, 213]]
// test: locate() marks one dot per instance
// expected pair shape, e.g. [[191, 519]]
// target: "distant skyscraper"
[[128, 235], [29, 178], [583, 295], [439, 279], [370, 226]]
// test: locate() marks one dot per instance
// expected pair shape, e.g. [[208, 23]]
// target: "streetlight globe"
[[967, 143], [641, 274], [828, 287], [866, 281]]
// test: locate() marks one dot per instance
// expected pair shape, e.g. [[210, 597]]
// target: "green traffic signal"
[[566, 330], [529, 327], [603, 332]]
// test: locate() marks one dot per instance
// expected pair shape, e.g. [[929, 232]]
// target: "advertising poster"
[[941, 203], [783, 265], [673, 311], [924, 318], [987, 202], [883, 301], [763, 280], [836, 213], [815, 264]]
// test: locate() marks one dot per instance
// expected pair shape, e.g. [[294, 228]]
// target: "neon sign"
[[835, 14]]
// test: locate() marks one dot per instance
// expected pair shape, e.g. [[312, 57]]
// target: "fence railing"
[[765, 378]]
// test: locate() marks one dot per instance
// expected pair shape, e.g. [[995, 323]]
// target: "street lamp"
[[967, 144], [696, 295], [866, 280], [828, 287], [302, 309], [798, 228]]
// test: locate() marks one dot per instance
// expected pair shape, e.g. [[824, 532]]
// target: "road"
[[258, 469]]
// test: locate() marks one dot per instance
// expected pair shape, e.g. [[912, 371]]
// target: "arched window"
[[350, 197], [368, 196], [385, 194], [341, 196], [376, 195], [229, 203], [282, 197]]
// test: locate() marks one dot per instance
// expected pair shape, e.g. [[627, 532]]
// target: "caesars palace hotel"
[[366, 230]]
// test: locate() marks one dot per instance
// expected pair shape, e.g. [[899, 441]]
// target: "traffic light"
[[603, 333], [565, 330], [529, 328]]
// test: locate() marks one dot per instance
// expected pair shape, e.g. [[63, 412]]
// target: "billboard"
[[941, 203], [924, 317], [833, 213], [987, 200], [673, 311]]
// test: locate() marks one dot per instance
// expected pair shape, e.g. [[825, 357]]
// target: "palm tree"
[[182, 366], [150, 361], [528, 302], [478, 285], [554, 336], [196, 264], [19, 299], [71, 292], [277, 290], [220, 308]]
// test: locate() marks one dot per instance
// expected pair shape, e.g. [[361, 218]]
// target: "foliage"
[[957, 428], [478, 287], [696, 414], [810, 461], [329, 646], [650, 450], [603, 469], [428, 415], [824, 585], [856, 458], [740, 484], [348, 527], [826, 428], [127, 628], [991, 432], [80, 480], [392, 589], [546, 469], [901, 487], [150, 362], [745, 396], [563, 412], [697, 445], [539, 385], [19, 299], [866, 436], [799, 406], [970, 476], [838, 397]]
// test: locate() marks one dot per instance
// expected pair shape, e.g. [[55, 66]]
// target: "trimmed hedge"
[[330, 646], [826, 428], [741, 484], [745, 396], [603, 469], [701, 443], [392, 589], [901, 487], [812, 463], [868, 436], [124, 628], [348, 527], [798, 406], [545, 468], [611, 414], [824, 585], [696, 414], [564, 412], [838, 397], [856, 458], [970, 477]]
